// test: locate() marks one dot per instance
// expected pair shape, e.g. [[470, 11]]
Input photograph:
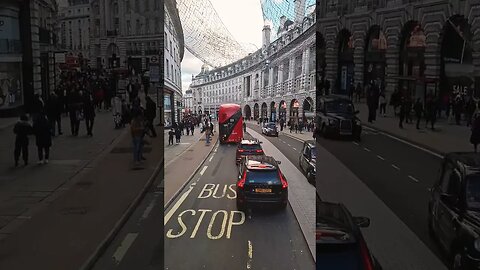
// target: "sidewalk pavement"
[[68, 224], [445, 138], [22, 188], [183, 160]]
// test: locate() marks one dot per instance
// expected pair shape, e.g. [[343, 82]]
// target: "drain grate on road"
[[126, 150]]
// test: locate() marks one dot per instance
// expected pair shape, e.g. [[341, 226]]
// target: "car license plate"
[[263, 190]]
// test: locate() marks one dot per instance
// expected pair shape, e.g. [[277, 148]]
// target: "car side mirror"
[[362, 222]]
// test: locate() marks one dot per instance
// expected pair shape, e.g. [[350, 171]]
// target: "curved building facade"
[[421, 48], [277, 81], [172, 58]]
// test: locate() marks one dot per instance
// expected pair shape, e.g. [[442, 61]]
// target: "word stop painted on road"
[[218, 192], [220, 224]]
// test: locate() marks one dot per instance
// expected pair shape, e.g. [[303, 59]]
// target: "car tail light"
[[241, 183], [241, 150], [260, 151], [284, 181], [366, 258]]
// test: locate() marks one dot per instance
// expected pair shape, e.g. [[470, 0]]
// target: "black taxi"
[[337, 117], [454, 209]]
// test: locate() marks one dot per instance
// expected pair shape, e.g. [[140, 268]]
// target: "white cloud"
[[243, 19]]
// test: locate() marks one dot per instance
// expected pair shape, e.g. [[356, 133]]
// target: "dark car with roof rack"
[[337, 117], [260, 181], [339, 240], [307, 160], [251, 147], [454, 209]]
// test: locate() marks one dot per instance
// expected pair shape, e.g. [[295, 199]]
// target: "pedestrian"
[[296, 127], [430, 113], [150, 114], [408, 115], [137, 131], [43, 138], [75, 112], [403, 109], [181, 127], [117, 111], [475, 137], [212, 129], [192, 128], [22, 129], [458, 107], [207, 133], [244, 127], [89, 114], [178, 134], [418, 108], [171, 134], [38, 107], [383, 104], [53, 109], [470, 110]]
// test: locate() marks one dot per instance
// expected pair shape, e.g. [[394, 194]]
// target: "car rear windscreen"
[[250, 147], [269, 177]]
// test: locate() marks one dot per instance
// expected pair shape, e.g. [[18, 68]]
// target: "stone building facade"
[[125, 33], [421, 48], [74, 27], [275, 82]]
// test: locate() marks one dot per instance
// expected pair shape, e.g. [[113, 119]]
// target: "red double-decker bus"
[[230, 122]]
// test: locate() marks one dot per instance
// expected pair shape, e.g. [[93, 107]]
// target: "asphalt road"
[[398, 173], [204, 230]]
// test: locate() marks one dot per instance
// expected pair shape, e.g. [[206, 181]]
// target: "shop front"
[[374, 68], [345, 72], [456, 72], [11, 79]]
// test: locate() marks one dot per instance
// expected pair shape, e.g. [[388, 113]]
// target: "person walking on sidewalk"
[[150, 114], [53, 109], [171, 134], [22, 129], [431, 112], [418, 108], [475, 136], [244, 127], [470, 110], [403, 109], [383, 104], [358, 92], [137, 130], [75, 113], [89, 114], [178, 135], [43, 138], [458, 107]]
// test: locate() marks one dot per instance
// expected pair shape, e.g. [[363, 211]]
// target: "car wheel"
[[324, 131], [457, 261]]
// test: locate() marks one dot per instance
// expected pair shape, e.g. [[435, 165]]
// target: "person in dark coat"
[[150, 114], [74, 111], [470, 110], [54, 110], [475, 137], [43, 138], [418, 108], [22, 129], [431, 112], [171, 134], [89, 114], [403, 111], [178, 135]]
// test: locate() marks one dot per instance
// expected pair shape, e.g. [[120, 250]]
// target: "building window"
[[129, 27], [168, 72]]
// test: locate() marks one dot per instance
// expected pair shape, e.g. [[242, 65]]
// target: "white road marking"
[[366, 149], [380, 157], [395, 167], [413, 178], [250, 255], [177, 205], [288, 144], [124, 246], [294, 148], [149, 209], [210, 159], [203, 170], [357, 144], [411, 144]]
